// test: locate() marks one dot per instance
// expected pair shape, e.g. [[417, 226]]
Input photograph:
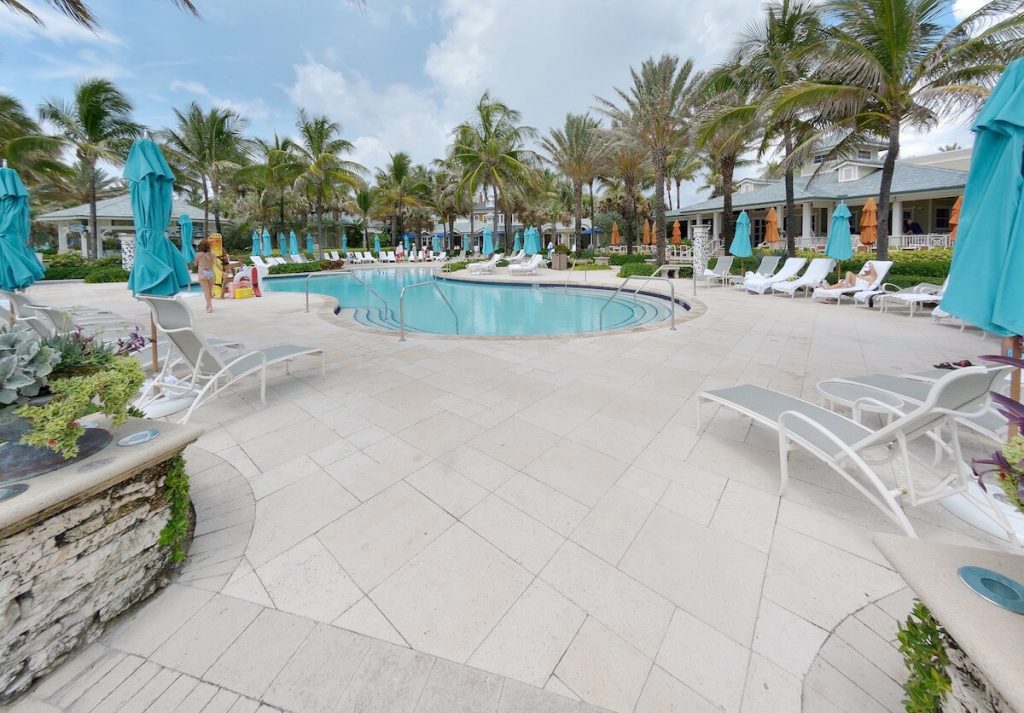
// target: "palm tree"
[[728, 127], [898, 63], [656, 111], [363, 204], [401, 187], [683, 165], [97, 125], [627, 169], [38, 161], [75, 187], [273, 172], [776, 51], [319, 168], [208, 145], [490, 149], [78, 10], [577, 150]]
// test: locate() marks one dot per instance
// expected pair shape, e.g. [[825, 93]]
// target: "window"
[[864, 155], [848, 173], [820, 158], [942, 218]]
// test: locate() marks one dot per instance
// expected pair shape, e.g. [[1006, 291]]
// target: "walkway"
[[504, 525]]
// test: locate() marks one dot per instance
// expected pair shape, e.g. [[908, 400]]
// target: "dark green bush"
[[290, 268], [65, 260], [637, 268], [331, 264], [107, 274], [66, 273], [588, 267], [455, 266], [625, 258], [105, 262], [502, 263]]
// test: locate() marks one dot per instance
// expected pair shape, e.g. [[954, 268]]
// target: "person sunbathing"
[[867, 277]]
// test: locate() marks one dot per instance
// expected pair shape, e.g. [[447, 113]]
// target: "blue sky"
[[397, 77]]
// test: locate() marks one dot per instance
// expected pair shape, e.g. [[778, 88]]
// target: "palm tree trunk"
[[216, 205], [727, 167], [577, 205], [888, 168], [206, 208], [394, 228], [494, 213], [678, 186], [790, 217], [93, 221], [660, 158], [593, 225], [281, 210], [630, 215]]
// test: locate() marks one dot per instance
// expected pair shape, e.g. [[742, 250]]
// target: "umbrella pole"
[[1013, 346]]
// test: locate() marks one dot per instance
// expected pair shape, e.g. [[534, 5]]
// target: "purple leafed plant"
[[135, 341], [1006, 464]]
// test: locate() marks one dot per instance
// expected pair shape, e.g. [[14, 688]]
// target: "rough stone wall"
[[971, 690], [63, 578]]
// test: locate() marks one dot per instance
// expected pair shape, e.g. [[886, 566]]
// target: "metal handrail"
[[672, 294], [345, 273], [401, 306], [651, 277], [568, 272]]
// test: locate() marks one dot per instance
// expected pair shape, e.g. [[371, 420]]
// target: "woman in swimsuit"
[[204, 263]]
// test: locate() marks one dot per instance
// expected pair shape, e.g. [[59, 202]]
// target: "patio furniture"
[[720, 273], [766, 268], [753, 282], [517, 258], [826, 294], [209, 373], [851, 448], [815, 274], [529, 267], [488, 266], [913, 299]]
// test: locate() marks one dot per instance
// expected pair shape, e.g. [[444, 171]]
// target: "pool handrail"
[[672, 294], [347, 273], [401, 306]]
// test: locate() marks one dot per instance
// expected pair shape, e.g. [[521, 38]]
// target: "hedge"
[[637, 268], [624, 258], [107, 274], [290, 268]]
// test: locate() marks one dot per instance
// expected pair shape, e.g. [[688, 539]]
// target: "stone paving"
[[518, 525]]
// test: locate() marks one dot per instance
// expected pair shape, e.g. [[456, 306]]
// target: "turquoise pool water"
[[483, 309]]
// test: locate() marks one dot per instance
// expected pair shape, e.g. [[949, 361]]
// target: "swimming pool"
[[484, 309]]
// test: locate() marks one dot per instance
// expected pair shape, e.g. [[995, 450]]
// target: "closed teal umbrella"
[[344, 244], [740, 246], [282, 244], [159, 268], [268, 249], [309, 243], [255, 244], [437, 244], [488, 241], [465, 243], [19, 266], [517, 244], [293, 243], [839, 245], [985, 287], [376, 243], [406, 239], [187, 251]]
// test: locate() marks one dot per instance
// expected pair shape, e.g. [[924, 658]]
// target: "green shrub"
[[290, 268], [626, 258], [174, 532], [331, 264], [107, 274], [637, 268], [455, 266], [66, 273], [105, 262], [65, 260], [926, 659], [562, 249], [502, 263], [588, 267]]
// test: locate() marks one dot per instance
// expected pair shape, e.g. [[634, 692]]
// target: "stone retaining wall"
[[64, 578], [972, 693]]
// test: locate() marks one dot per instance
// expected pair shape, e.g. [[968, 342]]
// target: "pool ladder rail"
[[346, 273], [401, 306], [646, 279]]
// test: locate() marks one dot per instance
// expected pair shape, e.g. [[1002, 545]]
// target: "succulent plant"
[[24, 365]]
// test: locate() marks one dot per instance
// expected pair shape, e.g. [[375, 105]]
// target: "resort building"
[[114, 220], [924, 190]]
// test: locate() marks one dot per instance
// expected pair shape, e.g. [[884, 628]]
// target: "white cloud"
[[85, 63], [963, 8], [393, 118], [55, 27], [253, 109], [408, 14]]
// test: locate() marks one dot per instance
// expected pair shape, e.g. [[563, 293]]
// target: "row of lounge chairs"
[[915, 406], [518, 264], [361, 257], [788, 280]]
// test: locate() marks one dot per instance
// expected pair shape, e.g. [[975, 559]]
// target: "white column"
[[62, 238], [806, 229], [828, 220], [716, 226], [896, 228]]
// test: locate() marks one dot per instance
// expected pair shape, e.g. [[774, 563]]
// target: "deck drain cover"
[[997, 588], [139, 438], [9, 491]]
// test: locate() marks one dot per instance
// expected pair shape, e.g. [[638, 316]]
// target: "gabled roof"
[[116, 208], [907, 178]]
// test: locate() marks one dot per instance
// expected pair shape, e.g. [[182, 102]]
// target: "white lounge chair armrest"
[[889, 287], [786, 416]]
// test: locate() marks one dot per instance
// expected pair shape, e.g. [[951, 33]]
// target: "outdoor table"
[[846, 394]]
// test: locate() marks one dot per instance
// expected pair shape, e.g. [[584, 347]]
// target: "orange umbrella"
[[954, 218], [647, 232], [771, 227], [677, 235], [615, 234], [869, 223]]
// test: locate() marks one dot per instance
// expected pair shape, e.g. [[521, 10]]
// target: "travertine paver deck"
[[474, 521]]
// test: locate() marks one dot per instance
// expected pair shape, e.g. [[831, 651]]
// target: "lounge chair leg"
[[783, 462], [263, 385]]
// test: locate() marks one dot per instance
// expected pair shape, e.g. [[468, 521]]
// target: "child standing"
[[204, 264]]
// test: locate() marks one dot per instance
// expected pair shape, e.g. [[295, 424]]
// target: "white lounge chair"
[[912, 300], [826, 294], [815, 274], [529, 267], [847, 446], [332, 255], [390, 255], [753, 282], [517, 258], [209, 373], [487, 266], [297, 259], [720, 273], [441, 256]]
